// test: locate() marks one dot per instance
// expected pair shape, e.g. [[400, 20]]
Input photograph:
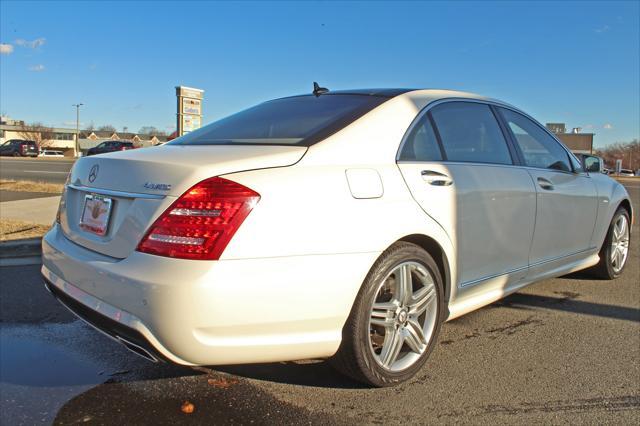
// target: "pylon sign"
[[189, 109]]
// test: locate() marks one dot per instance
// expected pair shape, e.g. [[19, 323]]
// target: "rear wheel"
[[16, 154], [615, 250], [395, 320]]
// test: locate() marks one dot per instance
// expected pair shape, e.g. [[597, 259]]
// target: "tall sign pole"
[[77, 128], [189, 114]]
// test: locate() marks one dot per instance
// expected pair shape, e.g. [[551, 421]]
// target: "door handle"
[[545, 184], [436, 178]]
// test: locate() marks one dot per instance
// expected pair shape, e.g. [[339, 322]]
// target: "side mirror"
[[592, 164]]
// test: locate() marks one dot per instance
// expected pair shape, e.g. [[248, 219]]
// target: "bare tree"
[[151, 130], [628, 152], [91, 127], [42, 135], [107, 128]]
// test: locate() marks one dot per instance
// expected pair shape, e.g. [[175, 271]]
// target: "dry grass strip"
[[30, 186], [18, 230]]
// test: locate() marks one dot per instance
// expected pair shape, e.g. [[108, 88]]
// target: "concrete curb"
[[31, 247]]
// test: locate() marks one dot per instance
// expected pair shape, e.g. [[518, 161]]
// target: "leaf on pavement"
[[187, 407]]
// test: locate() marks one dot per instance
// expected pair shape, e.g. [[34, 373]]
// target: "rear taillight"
[[200, 224], [124, 148], [24, 149]]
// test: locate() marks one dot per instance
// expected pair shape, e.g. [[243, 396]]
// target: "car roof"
[[428, 95]]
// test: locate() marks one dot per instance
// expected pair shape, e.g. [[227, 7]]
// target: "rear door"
[[567, 202], [460, 168]]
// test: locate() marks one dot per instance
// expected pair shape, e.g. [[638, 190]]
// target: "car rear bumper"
[[209, 312]]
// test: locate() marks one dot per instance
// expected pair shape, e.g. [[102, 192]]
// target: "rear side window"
[[299, 120], [421, 143], [470, 133], [538, 147]]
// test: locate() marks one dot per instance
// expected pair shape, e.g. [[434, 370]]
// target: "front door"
[[566, 198]]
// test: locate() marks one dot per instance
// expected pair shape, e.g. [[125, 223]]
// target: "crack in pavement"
[[619, 403], [494, 333]]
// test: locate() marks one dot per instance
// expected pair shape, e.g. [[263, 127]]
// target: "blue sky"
[[573, 62]]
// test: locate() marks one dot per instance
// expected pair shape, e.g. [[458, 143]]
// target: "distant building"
[[63, 139], [576, 141]]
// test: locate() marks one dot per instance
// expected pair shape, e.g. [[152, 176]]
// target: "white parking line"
[[37, 162], [43, 171]]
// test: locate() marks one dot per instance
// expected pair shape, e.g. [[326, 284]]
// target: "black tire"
[[355, 357], [604, 269], [16, 154]]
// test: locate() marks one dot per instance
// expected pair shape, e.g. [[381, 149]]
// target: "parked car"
[[51, 153], [626, 172], [344, 225], [110, 146], [19, 148]]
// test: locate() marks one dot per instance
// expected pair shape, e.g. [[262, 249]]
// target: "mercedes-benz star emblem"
[[93, 173]]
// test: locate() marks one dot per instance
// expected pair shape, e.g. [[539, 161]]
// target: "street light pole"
[[77, 128]]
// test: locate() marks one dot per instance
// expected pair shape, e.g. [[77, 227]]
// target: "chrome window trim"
[[113, 193], [428, 107], [432, 104], [553, 136]]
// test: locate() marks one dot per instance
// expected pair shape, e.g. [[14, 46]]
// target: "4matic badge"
[[157, 186]]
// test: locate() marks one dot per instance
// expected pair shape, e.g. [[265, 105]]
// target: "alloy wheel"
[[403, 316], [619, 243]]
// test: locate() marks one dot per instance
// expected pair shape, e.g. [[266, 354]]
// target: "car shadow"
[[314, 373], [568, 303], [581, 276]]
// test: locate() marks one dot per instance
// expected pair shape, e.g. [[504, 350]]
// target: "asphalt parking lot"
[[565, 350]]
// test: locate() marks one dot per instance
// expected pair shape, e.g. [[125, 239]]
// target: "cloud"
[[36, 68], [6, 49], [602, 29], [607, 126], [589, 126], [34, 44]]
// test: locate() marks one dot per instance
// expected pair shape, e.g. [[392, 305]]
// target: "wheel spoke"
[[391, 348], [616, 232], [623, 227], [404, 284], [414, 336], [382, 314], [421, 299]]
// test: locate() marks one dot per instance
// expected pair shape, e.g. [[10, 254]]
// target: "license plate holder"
[[96, 212]]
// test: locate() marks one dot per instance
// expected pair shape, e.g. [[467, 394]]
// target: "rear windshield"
[[299, 120]]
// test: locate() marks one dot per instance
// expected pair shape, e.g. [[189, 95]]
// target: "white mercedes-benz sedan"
[[346, 225]]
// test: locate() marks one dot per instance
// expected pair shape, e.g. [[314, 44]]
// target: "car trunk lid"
[[139, 185]]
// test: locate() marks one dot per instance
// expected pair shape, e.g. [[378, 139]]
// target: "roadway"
[[36, 169]]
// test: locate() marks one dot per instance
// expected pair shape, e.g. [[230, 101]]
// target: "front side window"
[[470, 133], [421, 143], [299, 120], [538, 147]]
